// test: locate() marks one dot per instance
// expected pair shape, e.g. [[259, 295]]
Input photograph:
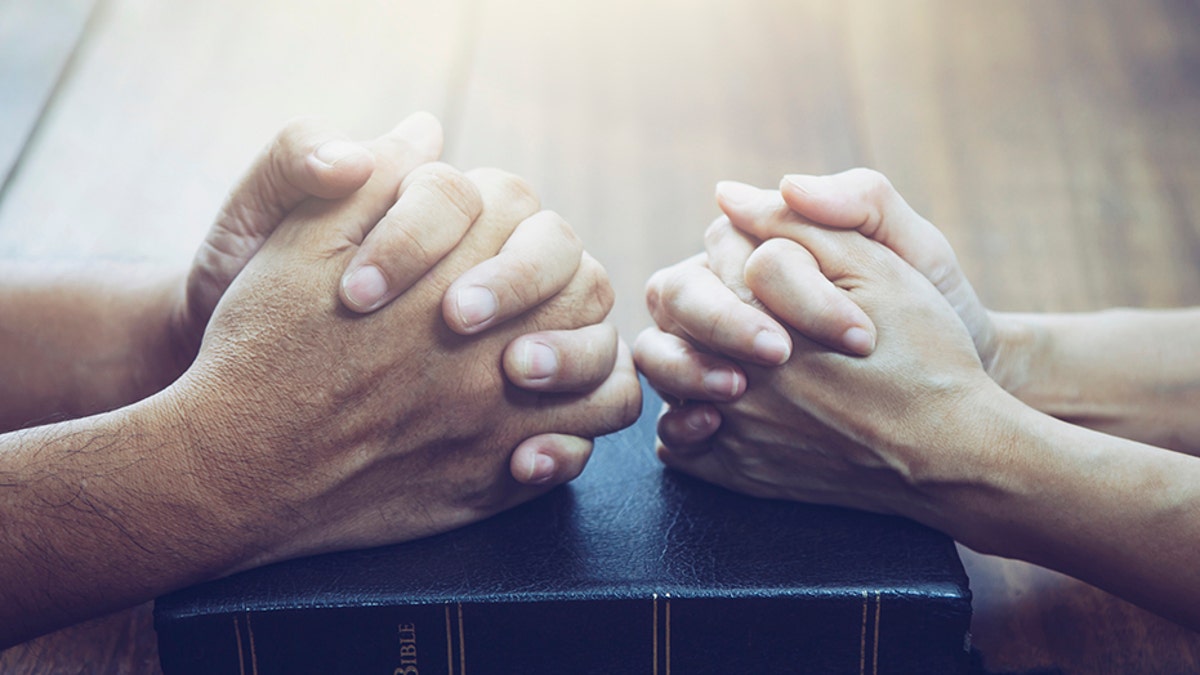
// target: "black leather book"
[[630, 569]]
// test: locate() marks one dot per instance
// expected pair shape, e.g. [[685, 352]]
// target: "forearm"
[[103, 513], [1118, 514], [76, 341], [1131, 373]]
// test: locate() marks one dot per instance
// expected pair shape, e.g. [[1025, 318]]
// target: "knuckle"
[[871, 179], [876, 189], [296, 130], [764, 263], [506, 187], [654, 291], [629, 405], [602, 293], [717, 231], [450, 185], [523, 281], [560, 228]]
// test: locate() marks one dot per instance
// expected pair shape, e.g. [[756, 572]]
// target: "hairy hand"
[[330, 429]]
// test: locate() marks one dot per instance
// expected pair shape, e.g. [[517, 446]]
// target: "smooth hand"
[[870, 432]]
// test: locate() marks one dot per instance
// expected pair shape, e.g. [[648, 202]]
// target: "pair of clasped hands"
[[414, 348]]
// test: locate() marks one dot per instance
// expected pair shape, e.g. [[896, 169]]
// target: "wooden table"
[[1055, 143]]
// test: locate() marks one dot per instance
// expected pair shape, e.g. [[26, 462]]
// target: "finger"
[[675, 368], [829, 316], [562, 361], [550, 459], [586, 300], [508, 200], [415, 141], [539, 259], [689, 300], [308, 158], [865, 200], [728, 249], [612, 406], [437, 204], [684, 430], [788, 280]]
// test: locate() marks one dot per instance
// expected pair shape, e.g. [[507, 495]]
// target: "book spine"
[[659, 635]]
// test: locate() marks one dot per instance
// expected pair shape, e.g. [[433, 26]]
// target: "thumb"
[[823, 313], [308, 158], [866, 201]]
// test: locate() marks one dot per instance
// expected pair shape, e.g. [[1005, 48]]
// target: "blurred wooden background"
[[1056, 143]]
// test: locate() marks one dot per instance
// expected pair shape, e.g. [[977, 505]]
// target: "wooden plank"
[[37, 40], [171, 99], [624, 114]]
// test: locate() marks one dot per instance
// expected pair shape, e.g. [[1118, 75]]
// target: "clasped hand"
[[418, 355], [807, 359]]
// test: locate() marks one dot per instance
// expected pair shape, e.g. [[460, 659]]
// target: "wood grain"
[[171, 99], [1055, 143], [37, 40]]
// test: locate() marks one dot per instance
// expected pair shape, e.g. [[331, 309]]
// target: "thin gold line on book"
[[253, 654], [449, 644], [875, 655], [462, 644], [237, 633], [862, 649], [667, 641], [654, 633]]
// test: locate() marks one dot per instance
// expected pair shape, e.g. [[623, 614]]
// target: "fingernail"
[[538, 361], [859, 341], [333, 152], [803, 183], [365, 287], [476, 304], [736, 193], [700, 420], [542, 469], [722, 382], [771, 347]]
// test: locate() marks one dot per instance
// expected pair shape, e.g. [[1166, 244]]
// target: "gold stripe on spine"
[[449, 644], [862, 645], [654, 632], [462, 644], [667, 641], [875, 653], [253, 654], [237, 633]]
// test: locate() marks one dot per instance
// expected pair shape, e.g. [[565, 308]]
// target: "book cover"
[[632, 568]]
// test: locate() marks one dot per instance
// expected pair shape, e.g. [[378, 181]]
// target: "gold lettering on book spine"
[[406, 634]]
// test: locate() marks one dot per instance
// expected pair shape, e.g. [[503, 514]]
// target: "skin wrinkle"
[[297, 415]]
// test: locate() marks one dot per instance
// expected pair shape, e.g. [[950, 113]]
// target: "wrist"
[[976, 461], [224, 488], [1015, 343]]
